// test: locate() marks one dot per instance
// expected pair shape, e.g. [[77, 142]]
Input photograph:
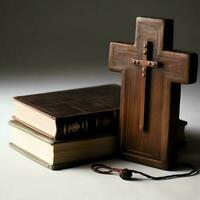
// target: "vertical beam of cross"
[[144, 63]]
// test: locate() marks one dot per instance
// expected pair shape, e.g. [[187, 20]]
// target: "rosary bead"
[[125, 174]]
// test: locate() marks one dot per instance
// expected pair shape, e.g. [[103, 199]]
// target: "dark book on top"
[[75, 113]]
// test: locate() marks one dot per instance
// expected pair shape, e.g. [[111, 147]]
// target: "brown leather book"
[[76, 113]]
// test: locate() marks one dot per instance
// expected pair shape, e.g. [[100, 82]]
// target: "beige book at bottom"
[[59, 154]]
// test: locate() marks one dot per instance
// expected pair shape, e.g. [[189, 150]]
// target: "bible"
[[59, 154], [76, 113]]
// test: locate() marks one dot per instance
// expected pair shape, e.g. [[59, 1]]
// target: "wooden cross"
[[150, 92]]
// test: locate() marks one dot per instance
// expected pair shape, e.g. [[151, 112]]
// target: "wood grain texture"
[[155, 144]]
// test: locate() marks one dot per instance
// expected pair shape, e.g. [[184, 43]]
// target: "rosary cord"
[[191, 173], [126, 174]]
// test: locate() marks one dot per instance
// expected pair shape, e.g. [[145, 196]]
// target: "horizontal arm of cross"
[[179, 66], [120, 56]]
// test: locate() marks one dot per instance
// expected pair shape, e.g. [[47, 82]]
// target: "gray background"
[[72, 36]]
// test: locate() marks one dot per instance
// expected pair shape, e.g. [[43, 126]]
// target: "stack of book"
[[65, 128]]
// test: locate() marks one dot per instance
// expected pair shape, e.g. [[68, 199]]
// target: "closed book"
[[75, 113], [58, 154]]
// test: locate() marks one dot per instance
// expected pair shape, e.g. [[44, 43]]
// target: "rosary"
[[127, 174]]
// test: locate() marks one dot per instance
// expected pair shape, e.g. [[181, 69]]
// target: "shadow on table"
[[191, 152]]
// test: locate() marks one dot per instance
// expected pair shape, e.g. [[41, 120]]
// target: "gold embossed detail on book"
[[98, 124]]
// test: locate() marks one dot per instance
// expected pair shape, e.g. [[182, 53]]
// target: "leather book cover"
[[77, 112], [74, 102]]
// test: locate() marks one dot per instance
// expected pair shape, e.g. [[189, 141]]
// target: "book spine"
[[89, 125]]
